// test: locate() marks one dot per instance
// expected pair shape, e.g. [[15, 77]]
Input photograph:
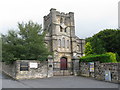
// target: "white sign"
[[33, 65], [108, 75]]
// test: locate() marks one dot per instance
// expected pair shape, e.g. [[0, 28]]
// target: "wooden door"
[[63, 63]]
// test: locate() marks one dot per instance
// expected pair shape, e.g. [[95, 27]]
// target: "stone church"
[[61, 38]]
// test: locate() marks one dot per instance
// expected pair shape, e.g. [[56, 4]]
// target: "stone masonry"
[[99, 71], [61, 38], [28, 69]]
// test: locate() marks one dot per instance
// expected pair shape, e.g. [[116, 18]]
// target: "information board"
[[24, 66], [33, 65], [91, 66]]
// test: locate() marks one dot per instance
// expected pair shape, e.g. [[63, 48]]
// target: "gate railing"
[[57, 69]]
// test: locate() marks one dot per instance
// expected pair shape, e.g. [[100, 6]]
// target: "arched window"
[[59, 43], [61, 20], [78, 48], [60, 29], [63, 43], [66, 29], [68, 44]]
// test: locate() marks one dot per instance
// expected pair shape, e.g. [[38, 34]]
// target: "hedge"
[[103, 58]]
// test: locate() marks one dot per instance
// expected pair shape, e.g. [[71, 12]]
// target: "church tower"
[[61, 39]]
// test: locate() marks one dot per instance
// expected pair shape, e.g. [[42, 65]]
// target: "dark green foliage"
[[105, 41], [117, 57], [103, 58], [97, 46], [26, 44]]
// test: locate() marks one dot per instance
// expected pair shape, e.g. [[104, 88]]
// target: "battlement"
[[57, 13], [60, 13]]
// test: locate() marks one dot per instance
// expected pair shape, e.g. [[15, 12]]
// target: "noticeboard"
[[107, 75], [24, 66], [91, 66], [33, 65]]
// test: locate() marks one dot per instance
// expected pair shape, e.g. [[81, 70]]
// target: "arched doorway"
[[62, 67], [63, 63]]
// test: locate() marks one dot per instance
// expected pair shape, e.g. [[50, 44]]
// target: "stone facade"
[[99, 71], [40, 72], [114, 69], [61, 38], [84, 69], [28, 69]]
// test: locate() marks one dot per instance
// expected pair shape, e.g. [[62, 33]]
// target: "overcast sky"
[[91, 16]]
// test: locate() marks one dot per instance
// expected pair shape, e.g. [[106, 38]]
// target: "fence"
[[57, 71]]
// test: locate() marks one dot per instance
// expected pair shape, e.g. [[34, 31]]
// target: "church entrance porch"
[[63, 67]]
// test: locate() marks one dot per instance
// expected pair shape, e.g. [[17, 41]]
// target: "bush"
[[117, 57], [103, 58]]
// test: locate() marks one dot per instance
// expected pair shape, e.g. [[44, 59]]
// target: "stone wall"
[[84, 69], [33, 69], [114, 69], [39, 72], [9, 69], [99, 71]]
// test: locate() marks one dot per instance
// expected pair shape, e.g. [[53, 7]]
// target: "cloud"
[[90, 15]]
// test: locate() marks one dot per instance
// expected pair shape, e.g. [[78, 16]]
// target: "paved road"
[[8, 82], [56, 82]]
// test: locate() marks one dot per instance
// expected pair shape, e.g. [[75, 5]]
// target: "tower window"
[[67, 43], [60, 29], [61, 20], [63, 43], [65, 29], [78, 48], [59, 43]]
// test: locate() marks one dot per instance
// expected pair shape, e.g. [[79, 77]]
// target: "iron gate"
[[59, 68]]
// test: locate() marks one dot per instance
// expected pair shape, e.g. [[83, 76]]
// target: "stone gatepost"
[[50, 66], [76, 65]]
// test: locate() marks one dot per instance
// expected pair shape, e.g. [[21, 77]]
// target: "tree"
[[97, 46], [26, 44], [9, 44], [109, 37], [88, 49], [107, 40]]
